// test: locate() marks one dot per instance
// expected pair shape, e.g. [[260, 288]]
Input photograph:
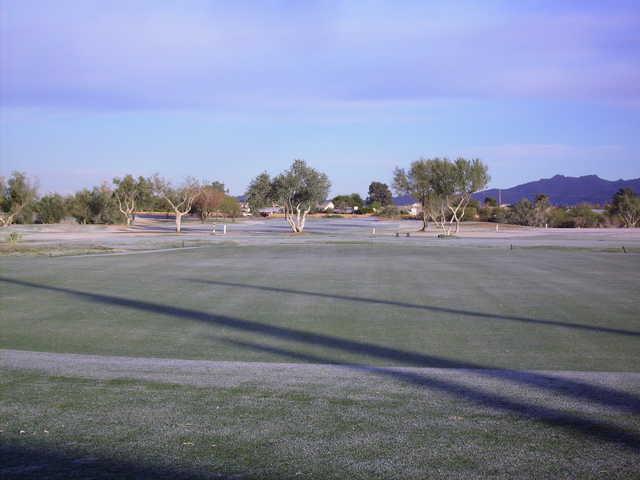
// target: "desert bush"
[[389, 211], [14, 237]]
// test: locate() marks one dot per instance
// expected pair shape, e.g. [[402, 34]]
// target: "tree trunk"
[[128, 221], [425, 222], [178, 222]]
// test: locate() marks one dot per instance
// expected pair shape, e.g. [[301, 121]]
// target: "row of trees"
[[444, 189], [115, 203]]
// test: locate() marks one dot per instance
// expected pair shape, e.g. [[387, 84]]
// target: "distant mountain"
[[564, 190]]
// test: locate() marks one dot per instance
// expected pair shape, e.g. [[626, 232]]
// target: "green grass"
[[130, 429], [373, 304], [525, 309]]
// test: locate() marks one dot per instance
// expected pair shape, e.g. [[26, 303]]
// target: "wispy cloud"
[[132, 55]]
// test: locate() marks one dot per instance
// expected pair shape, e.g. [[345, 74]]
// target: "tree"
[[541, 209], [348, 201], [180, 199], [209, 201], [129, 193], [379, 192], [416, 182], [626, 206], [260, 193], [230, 207], [51, 208], [103, 206], [79, 206], [490, 202], [441, 186], [584, 217], [16, 195], [469, 177], [522, 213], [297, 191]]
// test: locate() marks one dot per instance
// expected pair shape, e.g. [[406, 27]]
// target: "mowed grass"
[[356, 303], [60, 428], [439, 306]]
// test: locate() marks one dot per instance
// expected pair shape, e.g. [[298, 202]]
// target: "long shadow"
[[606, 396], [572, 388], [549, 416], [29, 462], [430, 308]]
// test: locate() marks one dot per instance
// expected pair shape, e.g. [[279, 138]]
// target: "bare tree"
[[180, 199], [16, 194]]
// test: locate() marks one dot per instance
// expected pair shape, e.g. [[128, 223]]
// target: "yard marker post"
[[373, 231], [224, 229]]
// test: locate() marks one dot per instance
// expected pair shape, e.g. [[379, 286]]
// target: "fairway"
[[382, 359]]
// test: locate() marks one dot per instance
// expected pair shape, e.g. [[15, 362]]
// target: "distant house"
[[412, 209], [269, 211], [245, 209], [345, 210], [328, 205]]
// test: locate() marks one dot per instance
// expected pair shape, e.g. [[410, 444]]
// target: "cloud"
[[140, 55]]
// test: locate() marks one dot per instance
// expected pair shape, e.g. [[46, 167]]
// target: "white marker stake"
[[497, 225], [373, 231], [224, 229]]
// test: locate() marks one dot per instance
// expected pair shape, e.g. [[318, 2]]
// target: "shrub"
[[14, 237], [389, 211]]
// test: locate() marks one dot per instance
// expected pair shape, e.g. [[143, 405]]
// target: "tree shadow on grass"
[[22, 461], [549, 416], [430, 308], [581, 390]]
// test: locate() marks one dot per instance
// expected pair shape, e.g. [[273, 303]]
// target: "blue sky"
[[224, 90]]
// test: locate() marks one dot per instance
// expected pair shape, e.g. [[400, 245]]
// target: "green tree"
[[417, 182], [522, 213], [129, 194], [379, 192], [470, 177], [584, 217], [79, 206], [103, 205], [626, 206], [490, 202], [260, 193], [230, 207], [17, 194], [348, 201], [51, 208], [298, 190]]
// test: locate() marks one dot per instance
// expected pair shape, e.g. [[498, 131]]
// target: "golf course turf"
[[322, 359]]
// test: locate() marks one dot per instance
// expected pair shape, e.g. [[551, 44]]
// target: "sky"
[[222, 91]]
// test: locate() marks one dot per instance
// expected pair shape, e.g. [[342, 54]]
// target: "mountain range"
[[563, 190]]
